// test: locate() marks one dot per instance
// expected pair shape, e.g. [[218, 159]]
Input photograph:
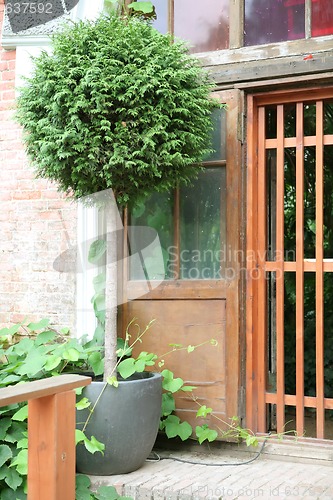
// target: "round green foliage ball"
[[116, 105]]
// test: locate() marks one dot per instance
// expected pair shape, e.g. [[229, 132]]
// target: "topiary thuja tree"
[[116, 105]]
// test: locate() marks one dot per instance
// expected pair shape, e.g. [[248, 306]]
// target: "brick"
[[4, 66], [8, 95], [7, 76], [8, 55], [26, 195], [6, 86]]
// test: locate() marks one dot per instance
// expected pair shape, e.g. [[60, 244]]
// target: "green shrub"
[[116, 105]]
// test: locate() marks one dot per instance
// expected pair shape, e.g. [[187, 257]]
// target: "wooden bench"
[[51, 433]]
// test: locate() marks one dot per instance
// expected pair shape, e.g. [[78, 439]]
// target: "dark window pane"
[[268, 21], [155, 212], [202, 226], [204, 24], [218, 136], [322, 17]]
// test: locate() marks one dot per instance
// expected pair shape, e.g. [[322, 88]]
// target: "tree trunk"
[[111, 290]]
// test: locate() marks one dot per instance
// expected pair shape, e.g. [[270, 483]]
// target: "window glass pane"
[[202, 226], [204, 24], [322, 17], [268, 21], [161, 9], [155, 212], [218, 136]]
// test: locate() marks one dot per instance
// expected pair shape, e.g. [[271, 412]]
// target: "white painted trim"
[[87, 232]]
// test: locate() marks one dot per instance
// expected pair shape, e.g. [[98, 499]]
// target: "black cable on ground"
[[208, 464]]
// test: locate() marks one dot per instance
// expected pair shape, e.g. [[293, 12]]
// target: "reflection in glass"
[[155, 212], [328, 202], [218, 136], [202, 226], [162, 15], [204, 24], [268, 21], [322, 17]]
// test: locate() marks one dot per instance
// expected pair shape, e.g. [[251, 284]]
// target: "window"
[[267, 22], [190, 222], [205, 25], [221, 24]]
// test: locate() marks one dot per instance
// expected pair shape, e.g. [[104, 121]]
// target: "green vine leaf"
[[204, 411], [43, 323], [93, 445], [144, 7], [21, 462], [204, 433], [13, 479], [174, 427], [21, 414], [113, 381], [96, 251], [168, 404], [82, 404], [5, 454], [170, 383], [45, 337], [126, 368]]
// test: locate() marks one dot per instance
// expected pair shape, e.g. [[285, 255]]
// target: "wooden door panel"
[[188, 322]]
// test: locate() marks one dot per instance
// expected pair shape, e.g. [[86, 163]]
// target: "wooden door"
[[199, 297], [290, 262]]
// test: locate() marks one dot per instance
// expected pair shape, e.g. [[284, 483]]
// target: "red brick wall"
[[36, 224]]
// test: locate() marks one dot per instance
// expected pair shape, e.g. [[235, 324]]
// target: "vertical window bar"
[[299, 269], [319, 271], [308, 13], [171, 11], [280, 269], [262, 329], [236, 24]]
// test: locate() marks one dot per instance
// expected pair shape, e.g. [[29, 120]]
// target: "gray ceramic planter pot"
[[126, 420]]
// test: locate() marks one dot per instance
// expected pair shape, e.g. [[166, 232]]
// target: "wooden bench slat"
[[41, 388]]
